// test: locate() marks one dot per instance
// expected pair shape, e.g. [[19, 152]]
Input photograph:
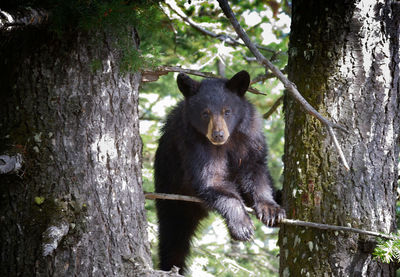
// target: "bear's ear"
[[187, 85], [239, 83]]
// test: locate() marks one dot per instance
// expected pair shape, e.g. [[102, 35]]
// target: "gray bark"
[[344, 58], [77, 206]]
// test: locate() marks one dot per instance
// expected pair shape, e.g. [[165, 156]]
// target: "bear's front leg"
[[227, 202], [256, 185], [206, 171]]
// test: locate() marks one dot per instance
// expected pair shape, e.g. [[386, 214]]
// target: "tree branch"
[[266, 76], [321, 226], [290, 87], [286, 221], [152, 75], [273, 108], [222, 37], [11, 20], [166, 196]]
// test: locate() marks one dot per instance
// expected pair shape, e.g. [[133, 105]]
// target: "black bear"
[[212, 147]]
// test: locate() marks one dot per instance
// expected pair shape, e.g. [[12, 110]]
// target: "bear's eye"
[[205, 114], [227, 112]]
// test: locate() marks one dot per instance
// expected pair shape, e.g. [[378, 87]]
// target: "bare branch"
[[286, 221], [166, 196], [222, 37], [152, 75], [9, 164], [295, 222], [150, 118], [266, 76], [290, 87], [273, 108], [255, 91], [21, 18]]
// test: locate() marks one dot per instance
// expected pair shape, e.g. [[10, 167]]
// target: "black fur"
[[226, 177]]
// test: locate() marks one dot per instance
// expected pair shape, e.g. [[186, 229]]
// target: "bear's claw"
[[269, 213]]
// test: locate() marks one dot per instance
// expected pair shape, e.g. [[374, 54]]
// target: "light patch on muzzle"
[[217, 131]]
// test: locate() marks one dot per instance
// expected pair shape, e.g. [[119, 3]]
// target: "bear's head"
[[214, 107]]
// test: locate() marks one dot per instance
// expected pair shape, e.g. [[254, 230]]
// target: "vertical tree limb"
[[289, 86]]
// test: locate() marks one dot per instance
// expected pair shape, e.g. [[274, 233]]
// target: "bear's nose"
[[218, 135]]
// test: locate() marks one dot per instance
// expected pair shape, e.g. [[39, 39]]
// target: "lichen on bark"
[[336, 60], [78, 207]]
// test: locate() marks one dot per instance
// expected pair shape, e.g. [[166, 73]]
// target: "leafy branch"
[[290, 87], [388, 250]]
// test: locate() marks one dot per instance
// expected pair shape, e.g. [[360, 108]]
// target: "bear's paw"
[[241, 229], [269, 213]]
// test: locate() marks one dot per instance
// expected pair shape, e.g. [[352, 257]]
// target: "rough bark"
[[344, 58], [77, 207]]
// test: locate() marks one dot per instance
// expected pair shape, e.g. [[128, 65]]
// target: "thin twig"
[[290, 87], [266, 76], [166, 196], [296, 222], [286, 221], [255, 91], [273, 108], [150, 117], [151, 75]]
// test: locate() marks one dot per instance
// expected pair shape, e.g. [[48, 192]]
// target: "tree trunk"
[[344, 58], [77, 208]]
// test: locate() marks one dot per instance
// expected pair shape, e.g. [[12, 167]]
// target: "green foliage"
[[118, 19], [388, 250]]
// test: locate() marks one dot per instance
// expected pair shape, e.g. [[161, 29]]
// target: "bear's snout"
[[217, 132], [218, 135]]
